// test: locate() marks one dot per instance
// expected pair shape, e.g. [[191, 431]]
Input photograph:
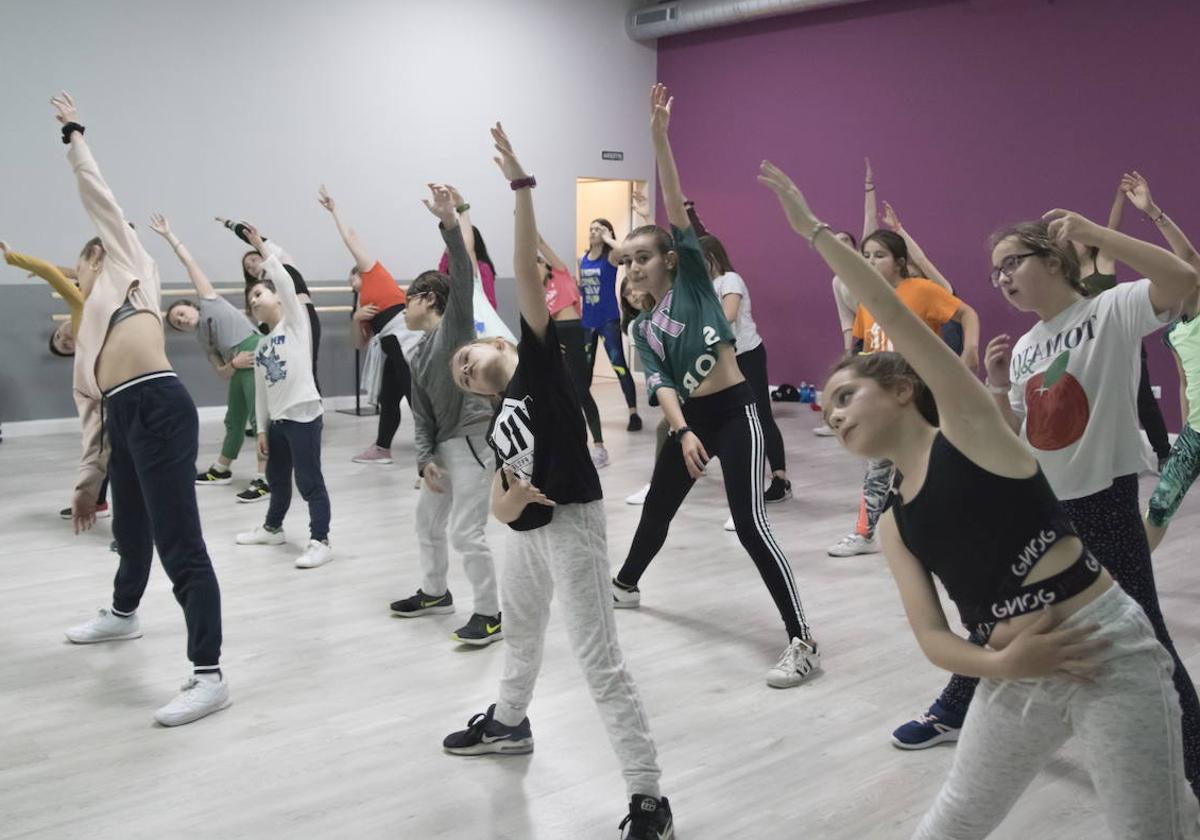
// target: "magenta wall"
[[974, 114]]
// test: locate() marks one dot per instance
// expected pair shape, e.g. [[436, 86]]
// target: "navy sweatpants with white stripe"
[[727, 424]]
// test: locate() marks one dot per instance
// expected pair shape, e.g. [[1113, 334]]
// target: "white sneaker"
[[105, 627], [729, 526], [261, 536], [853, 544], [824, 431], [316, 554], [197, 698], [638, 498], [799, 659], [599, 456], [625, 599]]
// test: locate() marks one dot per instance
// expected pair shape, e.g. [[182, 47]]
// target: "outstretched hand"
[[1068, 226], [326, 200], [160, 225], [869, 179], [507, 158], [254, 237], [660, 109], [794, 205], [1137, 190], [65, 107], [442, 205]]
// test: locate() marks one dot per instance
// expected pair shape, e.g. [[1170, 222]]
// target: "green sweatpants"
[[240, 406]]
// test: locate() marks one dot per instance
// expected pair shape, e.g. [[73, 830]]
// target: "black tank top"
[[1098, 282], [982, 533]]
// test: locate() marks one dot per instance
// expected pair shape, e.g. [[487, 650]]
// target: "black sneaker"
[[635, 423], [422, 604], [484, 734], [480, 631], [648, 819], [215, 476], [779, 491], [256, 491]]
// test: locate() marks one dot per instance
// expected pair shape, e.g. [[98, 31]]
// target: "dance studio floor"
[[339, 708]]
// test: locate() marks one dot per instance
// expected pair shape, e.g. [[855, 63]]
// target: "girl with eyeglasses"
[[1067, 387], [1068, 653]]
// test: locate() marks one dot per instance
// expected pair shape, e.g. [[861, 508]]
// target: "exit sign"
[[612, 156]]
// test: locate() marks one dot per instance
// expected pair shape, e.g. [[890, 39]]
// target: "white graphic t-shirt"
[[1074, 384]]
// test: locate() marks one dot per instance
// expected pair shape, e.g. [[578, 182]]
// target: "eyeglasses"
[[1009, 265]]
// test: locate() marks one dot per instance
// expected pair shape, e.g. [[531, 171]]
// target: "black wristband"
[[678, 434], [69, 129]]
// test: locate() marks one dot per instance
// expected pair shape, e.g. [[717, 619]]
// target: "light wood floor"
[[339, 709]]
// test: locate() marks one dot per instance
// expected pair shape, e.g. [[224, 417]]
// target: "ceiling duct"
[[678, 16]]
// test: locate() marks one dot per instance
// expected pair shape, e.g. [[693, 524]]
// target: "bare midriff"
[[725, 373], [567, 313], [133, 347]]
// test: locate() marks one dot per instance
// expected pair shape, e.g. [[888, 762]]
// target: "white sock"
[[216, 465]]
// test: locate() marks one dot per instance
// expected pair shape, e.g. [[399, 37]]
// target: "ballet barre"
[[333, 308]]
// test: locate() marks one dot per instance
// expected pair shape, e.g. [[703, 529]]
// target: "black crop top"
[[982, 533]]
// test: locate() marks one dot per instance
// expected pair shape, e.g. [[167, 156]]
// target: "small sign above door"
[[612, 156]]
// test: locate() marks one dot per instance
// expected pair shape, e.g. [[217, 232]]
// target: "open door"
[[602, 198]]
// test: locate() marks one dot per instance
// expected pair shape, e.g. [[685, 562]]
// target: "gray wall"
[[242, 109]]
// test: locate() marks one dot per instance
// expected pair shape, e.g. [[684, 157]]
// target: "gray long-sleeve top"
[[442, 411]]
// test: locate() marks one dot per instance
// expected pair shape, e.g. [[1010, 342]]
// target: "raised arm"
[[349, 237], [961, 397], [121, 244], [1171, 279], [551, 257], [458, 320], [668, 174], [531, 296], [200, 282], [52, 274], [916, 255], [463, 208], [870, 212], [1137, 190], [293, 310]]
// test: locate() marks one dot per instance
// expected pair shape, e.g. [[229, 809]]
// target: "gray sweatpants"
[[463, 506], [1127, 721], [571, 553]]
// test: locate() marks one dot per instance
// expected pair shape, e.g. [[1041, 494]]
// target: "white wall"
[[243, 108], [200, 108]]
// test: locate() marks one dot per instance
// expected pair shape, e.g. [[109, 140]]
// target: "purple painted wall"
[[974, 114]]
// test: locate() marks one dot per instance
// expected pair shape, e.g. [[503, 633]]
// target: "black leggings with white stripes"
[[727, 423]]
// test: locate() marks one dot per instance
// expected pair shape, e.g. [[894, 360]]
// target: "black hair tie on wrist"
[[69, 129]]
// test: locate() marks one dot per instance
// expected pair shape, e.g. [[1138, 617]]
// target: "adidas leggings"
[[1127, 722], [1110, 525], [611, 333], [727, 424]]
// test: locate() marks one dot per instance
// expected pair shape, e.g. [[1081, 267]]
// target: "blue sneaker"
[[485, 734], [934, 727]]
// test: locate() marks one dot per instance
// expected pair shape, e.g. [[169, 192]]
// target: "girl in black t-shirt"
[[548, 492]]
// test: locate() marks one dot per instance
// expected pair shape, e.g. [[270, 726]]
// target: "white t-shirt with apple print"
[[1074, 384]]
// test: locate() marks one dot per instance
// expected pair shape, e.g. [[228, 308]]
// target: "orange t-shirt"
[[929, 301], [379, 288]]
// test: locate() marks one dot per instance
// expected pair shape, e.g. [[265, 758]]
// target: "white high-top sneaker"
[[261, 536], [197, 698], [853, 544], [316, 554], [638, 498], [105, 627]]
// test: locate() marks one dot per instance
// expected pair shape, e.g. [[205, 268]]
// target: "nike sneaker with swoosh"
[[484, 734], [480, 631], [422, 604], [648, 819]]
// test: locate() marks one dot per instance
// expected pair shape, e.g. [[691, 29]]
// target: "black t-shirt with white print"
[[539, 433]]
